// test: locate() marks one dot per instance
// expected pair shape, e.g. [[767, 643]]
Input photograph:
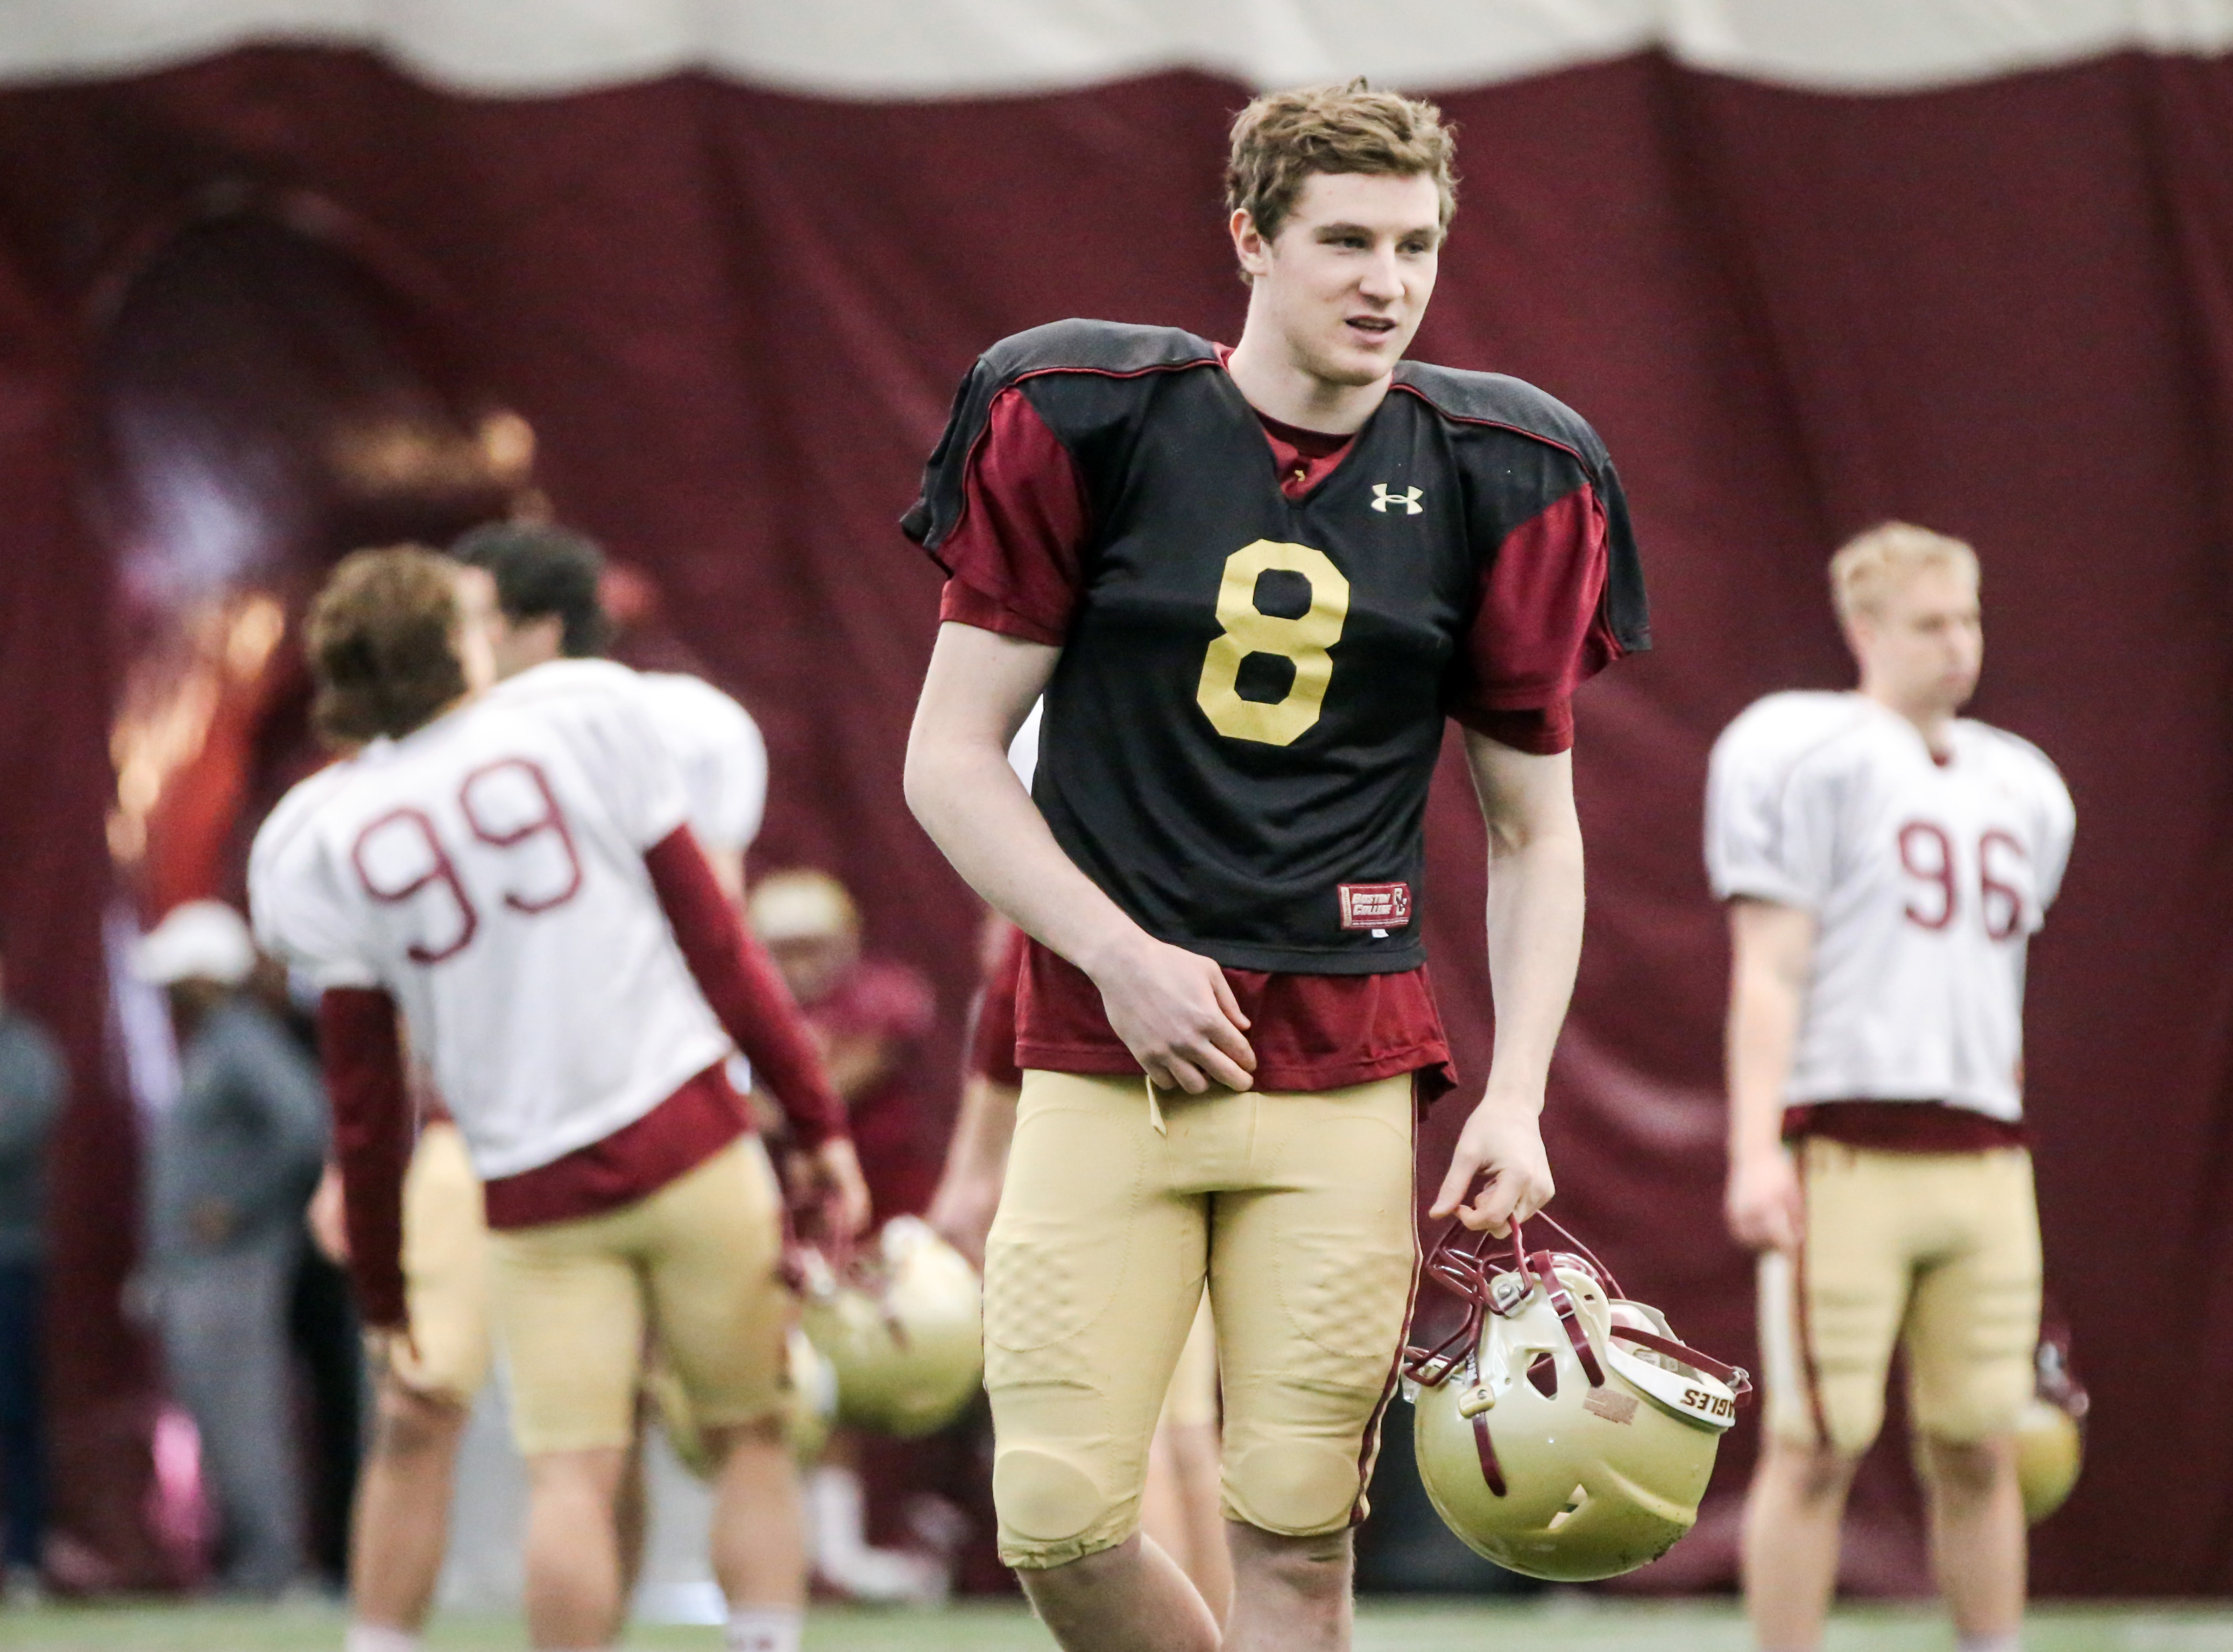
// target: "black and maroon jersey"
[[1241, 734]]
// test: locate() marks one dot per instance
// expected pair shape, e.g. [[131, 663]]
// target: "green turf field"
[[1582, 1625]]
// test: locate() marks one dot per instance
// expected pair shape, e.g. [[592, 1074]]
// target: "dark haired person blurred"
[[33, 1081]]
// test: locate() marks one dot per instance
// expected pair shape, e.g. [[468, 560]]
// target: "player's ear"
[[1250, 245]]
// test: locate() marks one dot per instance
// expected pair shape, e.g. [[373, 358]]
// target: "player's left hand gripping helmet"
[[904, 1323], [1561, 1430]]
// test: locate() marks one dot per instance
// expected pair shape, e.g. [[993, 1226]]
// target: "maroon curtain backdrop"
[[735, 319]]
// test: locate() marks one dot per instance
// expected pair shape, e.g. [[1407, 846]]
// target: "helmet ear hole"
[[1543, 1373], [1577, 1500]]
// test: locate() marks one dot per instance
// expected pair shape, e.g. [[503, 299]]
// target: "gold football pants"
[[697, 1262], [1936, 1252], [1294, 1207]]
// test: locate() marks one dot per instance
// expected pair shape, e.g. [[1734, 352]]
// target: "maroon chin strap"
[[1538, 1268], [1492, 1472], [1739, 1381]]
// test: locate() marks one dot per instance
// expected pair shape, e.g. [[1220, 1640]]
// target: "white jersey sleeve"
[[1771, 835], [720, 752], [300, 909]]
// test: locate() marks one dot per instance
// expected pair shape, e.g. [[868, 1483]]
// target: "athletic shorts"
[[696, 1262], [1294, 1207], [1936, 1252], [445, 1270]]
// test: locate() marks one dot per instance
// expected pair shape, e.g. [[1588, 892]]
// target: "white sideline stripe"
[[898, 49]]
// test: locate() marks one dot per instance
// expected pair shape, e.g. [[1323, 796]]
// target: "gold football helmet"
[[2050, 1434], [1562, 1431], [903, 1324]]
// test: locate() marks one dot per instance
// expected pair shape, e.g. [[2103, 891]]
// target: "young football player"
[[547, 608], [1251, 584], [1885, 863], [510, 871]]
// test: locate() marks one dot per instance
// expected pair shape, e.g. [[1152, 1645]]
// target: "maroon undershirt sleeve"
[[363, 1059], [1016, 553], [741, 982], [1539, 629]]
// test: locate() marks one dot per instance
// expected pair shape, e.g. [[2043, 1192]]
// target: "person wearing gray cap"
[[230, 1167]]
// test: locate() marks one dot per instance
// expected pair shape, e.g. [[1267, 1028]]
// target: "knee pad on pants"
[[1051, 1510]]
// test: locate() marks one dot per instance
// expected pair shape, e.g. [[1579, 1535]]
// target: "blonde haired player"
[[547, 608], [510, 871], [1885, 863]]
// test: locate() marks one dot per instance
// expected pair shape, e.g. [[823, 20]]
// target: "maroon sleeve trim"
[[741, 982], [362, 1054], [962, 603]]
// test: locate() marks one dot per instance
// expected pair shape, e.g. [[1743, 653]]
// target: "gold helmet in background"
[[1562, 1431], [903, 1324]]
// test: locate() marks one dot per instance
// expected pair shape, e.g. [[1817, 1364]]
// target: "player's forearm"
[[742, 987], [979, 816], [1771, 957], [362, 1056], [1763, 1032], [1535, 904], [982, 1132], [980, 687]]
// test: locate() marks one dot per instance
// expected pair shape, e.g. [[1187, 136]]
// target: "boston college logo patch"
[[1374, 906]]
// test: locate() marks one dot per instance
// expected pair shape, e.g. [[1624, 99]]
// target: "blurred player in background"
[[1885, 863], [509, 870], [1251, 584], [547, 581], [870, 1017]]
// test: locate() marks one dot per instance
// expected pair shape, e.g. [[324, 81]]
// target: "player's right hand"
[[1763, 1203], [829, 1192], [326, 1218], [1177, 1013]]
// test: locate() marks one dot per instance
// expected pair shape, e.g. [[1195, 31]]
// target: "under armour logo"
[[1408, 499]]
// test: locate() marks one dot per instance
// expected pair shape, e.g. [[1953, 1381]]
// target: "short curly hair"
[[380, 641], [1282, 138]]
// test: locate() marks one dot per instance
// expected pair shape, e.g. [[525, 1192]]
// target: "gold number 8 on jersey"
[[1303, 641]]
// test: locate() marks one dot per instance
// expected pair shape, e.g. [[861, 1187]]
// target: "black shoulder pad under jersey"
[[1493, 399], [1513, 404], [1112, 349]]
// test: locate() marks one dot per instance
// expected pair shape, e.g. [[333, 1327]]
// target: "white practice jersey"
[[488, 871], [723, 758], [1927, 880]]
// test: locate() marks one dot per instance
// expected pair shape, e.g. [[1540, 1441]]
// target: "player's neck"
[[1933, 722], [1273, 380]]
